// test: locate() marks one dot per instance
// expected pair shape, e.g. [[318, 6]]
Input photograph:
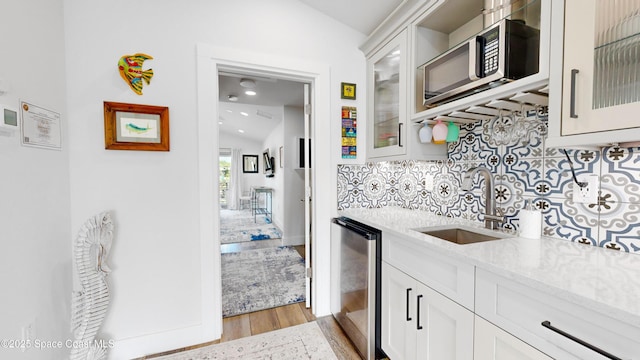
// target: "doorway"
[[263, 115], [209, 60], [224, 171]]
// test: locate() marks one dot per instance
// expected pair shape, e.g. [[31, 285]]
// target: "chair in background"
[[245, 197]]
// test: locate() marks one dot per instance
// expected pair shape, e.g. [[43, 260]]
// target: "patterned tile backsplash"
[[524, 170]]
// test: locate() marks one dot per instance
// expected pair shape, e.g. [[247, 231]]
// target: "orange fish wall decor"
[[130, 67]]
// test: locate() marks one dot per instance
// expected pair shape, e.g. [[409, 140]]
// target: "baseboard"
[[293, 240], [277, 224], [157, 343]]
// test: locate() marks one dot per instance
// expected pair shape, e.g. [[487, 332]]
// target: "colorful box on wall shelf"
[[349, 132]]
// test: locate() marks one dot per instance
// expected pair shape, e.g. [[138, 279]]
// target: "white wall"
[[273, 141], [288, 181], [156, 279], [248, 147], [293, 177], [35, 259]]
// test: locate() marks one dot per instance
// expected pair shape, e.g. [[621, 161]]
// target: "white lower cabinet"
[[420, 323], [502, 318], [493, 343], [450, 277], [563, 330]]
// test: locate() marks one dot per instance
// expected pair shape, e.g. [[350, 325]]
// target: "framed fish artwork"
[[136, 127]]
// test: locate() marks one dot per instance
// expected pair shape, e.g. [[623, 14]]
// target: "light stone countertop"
[[602, 280]]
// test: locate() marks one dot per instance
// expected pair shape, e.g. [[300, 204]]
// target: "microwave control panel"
[[491, 51]]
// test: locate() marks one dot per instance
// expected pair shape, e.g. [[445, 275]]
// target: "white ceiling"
[[272, 95], [361, 15]]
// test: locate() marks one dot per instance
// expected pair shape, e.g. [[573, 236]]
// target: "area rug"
[[260, 279], [241, 225], [304, 341]]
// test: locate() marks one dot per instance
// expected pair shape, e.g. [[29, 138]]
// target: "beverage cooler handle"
[[547, 324], [356, 229], [400, 134]]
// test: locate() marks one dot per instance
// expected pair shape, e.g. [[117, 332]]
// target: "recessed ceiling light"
[[241, 131], [229, 111], [250, 92], [247, 83], [264, 114], [219, 122], [244, 113], [232, 98]]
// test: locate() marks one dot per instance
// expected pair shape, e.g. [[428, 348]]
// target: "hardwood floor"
[[244, 325], [251, 245], [258, 322], [240, 326], [340, 343]]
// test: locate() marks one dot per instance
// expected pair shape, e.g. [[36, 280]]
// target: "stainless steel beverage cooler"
[[356, 252]]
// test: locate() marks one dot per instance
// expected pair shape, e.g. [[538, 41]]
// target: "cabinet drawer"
[[491, 342], [454, 279], [521, 310]]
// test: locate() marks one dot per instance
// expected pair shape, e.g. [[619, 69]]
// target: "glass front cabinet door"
[[601, 74], [387, 102]]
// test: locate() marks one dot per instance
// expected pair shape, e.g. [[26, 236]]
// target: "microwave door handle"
[[475, 58]]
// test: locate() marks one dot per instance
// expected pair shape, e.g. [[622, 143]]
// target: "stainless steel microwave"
[[506, 51]]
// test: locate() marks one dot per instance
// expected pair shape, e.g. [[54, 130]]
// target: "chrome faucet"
[[491, 218]]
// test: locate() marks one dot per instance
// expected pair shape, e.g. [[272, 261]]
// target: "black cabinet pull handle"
[[419, 327], [572, 104], [400, 134], [547, 324], [408, 317]]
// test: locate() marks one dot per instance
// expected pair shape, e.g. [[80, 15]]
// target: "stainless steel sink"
[[460, 236]]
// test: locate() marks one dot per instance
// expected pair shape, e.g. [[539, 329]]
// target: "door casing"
[[210, 60]]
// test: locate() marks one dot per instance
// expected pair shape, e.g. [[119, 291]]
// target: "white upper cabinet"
[[390, 135], [387, 78], [399, 98], [600, 76]]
